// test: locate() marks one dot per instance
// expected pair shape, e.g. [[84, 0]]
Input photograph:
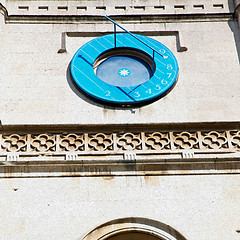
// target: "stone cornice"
[[119, 150], [181, 126], [136, 18], [91, 12]]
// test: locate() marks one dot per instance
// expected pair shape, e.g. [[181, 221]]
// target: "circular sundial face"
[[124, 71], [126, 74]]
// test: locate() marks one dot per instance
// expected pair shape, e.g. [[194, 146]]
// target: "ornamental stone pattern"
[[114, 143]]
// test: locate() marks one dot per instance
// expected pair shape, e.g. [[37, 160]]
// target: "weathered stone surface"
[[38, 88], [68, 208], [85, 164]]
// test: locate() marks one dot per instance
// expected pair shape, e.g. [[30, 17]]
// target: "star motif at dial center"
[[124, 72]]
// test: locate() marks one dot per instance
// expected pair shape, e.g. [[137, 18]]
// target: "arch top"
[[142, 228]]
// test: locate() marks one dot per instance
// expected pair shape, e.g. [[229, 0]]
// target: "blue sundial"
[[118, 69], [124, 71]]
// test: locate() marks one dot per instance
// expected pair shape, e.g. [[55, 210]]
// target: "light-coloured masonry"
[[116, 8]]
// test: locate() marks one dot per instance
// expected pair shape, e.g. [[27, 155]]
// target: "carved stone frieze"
[[186, 140], [157, 141], [13, 143], [129, 141], [43, 143], [71, 142], [235, 139], [140, 142], [120, 150], [215, 140], [100, 142]]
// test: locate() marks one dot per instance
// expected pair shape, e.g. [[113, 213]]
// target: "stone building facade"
[[74, 168]]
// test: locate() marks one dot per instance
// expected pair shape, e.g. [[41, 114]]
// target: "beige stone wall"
[[36, 86], [199, 207], [185, 176]]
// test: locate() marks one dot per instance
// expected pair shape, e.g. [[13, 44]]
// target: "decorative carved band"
[[103, 143]]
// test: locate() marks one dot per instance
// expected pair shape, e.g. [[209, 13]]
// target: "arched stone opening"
[[133, 229]]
